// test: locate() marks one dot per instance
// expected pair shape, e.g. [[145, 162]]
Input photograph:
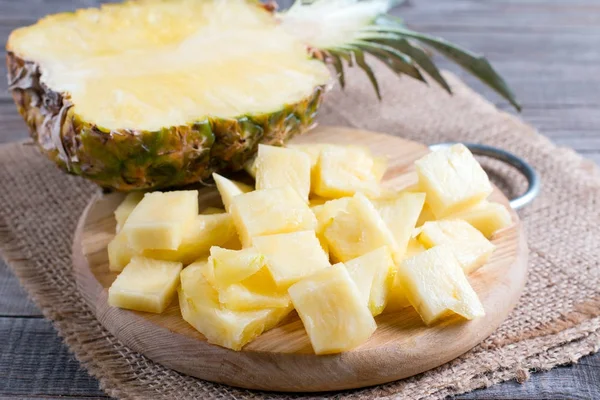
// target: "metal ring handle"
[[533, 179]]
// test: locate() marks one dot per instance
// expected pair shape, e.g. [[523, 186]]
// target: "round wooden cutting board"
[[282, 358]]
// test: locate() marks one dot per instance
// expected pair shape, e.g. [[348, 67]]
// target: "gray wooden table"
[[549, 50]]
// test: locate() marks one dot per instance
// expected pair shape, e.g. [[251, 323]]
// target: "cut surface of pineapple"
[[280, 167], [160, 219], [119, 252], [334, 315], [292, 256], [145, 285], [373, 274], [270, 211], [469, 246], [200, 307], [487, 217], [435, 284], [228, 189], [126, 207], [357, 230], [204, 231], [233, 266], [255, 292], [173, 75], [452, 179]]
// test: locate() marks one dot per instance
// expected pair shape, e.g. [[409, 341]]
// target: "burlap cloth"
[[557, 320]]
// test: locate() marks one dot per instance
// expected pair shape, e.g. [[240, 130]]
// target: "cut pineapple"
[[228, 189], [426, 215], [400, 215], [145, 285], [435, 284], [160, 220], [279, 167], [231, 266], [345, 170], [380, 165], [469, 246], [270, 211], [292, 256], [199, 304], [452, 179], [331, 308], [487, 217], [357, 231], [126, 207], [312, 150], [325, 214], [255, 292], [202, 233], [119, 252], [373, 274], [397, 299], [212, 210]]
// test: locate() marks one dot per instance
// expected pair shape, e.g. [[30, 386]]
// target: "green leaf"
[[339, 68], [359, 57], [474, 63], [398, 62]]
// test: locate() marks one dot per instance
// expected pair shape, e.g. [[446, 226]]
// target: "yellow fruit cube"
[[344, 171], [373, 274], [145, 285], [199, 304], [255, 292], [325, 214], [313, 151], [469, 246], [212, 210], [233, 266], [400, 215], [119, 252], [452, 179], [426, 215], [435, 284], [270, 211], [334, 315], [205, 231], [357, 230], [126, 207], [487, 217], [380, 165], [397, 299], [160, 220], [292, 256], [280, 167], [228, 189]]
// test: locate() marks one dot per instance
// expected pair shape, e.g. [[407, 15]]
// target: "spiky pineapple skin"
[[127, 159]]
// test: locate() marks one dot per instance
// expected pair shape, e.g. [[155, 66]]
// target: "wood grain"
[[282, 359]]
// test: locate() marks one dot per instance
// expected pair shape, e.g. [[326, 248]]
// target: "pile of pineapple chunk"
[[319, 234]]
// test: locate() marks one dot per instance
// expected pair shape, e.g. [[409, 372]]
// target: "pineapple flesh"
[[160, 220], [436, 285], [468, 245], [487, 217], [255, 292], [119, 252], [280, 167], [233, 266], [332, 310], [126, 207], [145, 285], [228, 189], [452, 179]]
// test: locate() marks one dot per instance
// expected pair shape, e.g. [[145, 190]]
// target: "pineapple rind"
[[129, 159]]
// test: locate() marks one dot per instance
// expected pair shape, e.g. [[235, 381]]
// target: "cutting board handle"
[[533, 178]]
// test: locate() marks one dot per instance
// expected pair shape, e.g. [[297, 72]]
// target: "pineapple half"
[[154, 93]]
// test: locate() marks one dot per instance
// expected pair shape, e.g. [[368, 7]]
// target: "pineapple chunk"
[[231, 266], [344, 171], [373, 274], [270, 211], [160, 220], [325, 214], [255, 292], [145, 285], [228, 189], [357, 231], [469, 246], [401, 215], [426, 215], [199, 304], [126, 207], [435, 284], [205, 231], [292, 256], [397, 299], [313, 151], [380, 165], [334, 315], [487, 217], [212, 210], [119, 252], [452, 179], [279, 167]]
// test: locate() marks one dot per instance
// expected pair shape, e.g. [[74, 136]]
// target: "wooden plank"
[[13, 298], [35, 362]]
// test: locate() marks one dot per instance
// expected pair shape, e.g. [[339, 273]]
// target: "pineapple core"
[[154, 63], [452, 179], [279, 167], [332, 310], [435, 284], [145, 285]]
